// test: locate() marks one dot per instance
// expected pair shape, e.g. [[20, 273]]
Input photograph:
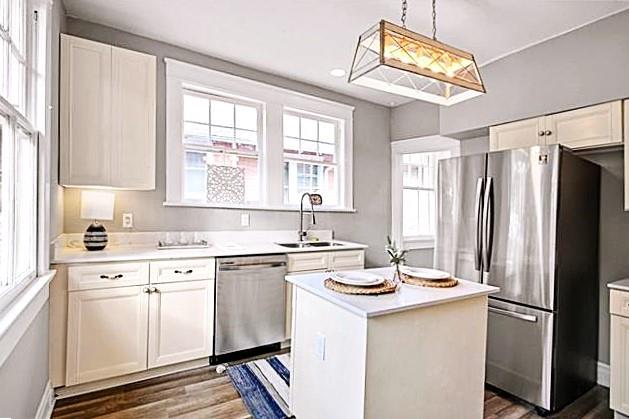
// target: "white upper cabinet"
[[593, 126], [515, 134], [107, 116]]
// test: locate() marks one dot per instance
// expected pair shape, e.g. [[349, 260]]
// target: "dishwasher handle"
[[244, 267]]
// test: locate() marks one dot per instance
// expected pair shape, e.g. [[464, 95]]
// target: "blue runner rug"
[[263, 386]]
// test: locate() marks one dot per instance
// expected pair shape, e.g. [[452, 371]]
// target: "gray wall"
[[580, 68], [370, 223], [414, 119], [24, 374]]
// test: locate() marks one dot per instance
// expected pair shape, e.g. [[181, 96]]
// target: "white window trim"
[[433, 143], [274, 100]]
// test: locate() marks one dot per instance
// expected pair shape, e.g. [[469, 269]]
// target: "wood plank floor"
[[203, 393]]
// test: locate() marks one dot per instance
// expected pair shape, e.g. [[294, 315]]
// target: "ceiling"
[[305, 39]]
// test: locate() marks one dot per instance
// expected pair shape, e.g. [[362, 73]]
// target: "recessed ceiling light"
[[337, 72]]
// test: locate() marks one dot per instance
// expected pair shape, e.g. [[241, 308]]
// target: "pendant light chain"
[[404, 7], [434, 19]]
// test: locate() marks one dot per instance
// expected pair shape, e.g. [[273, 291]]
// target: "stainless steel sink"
[[300, 245]]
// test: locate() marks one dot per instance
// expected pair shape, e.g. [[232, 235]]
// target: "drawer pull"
[[118, 276], [526, 317], [188, 272]]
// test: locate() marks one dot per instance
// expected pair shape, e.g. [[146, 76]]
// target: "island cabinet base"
[[427, 362]]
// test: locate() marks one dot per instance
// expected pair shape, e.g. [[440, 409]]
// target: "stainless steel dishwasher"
[[250, 302]]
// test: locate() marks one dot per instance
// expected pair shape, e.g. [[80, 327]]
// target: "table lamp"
[[96, 205]]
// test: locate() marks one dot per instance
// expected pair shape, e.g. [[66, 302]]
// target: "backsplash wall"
[[369, 225]]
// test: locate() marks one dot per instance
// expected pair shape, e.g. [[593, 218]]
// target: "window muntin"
[[220, 132], [311, 145], [419, 184]]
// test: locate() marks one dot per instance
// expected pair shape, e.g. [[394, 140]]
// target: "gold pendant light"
[[394, 59]]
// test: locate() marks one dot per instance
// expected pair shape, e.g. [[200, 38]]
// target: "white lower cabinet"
[[619, 351], [106, 333], [119, 330], [181, 321]]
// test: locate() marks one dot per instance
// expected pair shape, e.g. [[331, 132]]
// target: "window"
[[22, 114], [238, 143], [220, 136], [414, 188], [310, 158]]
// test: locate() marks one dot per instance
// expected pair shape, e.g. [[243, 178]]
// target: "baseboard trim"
[[78, 389], [47, 403], [602, 374]]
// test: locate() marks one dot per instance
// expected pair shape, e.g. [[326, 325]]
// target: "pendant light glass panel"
[[393, 59]]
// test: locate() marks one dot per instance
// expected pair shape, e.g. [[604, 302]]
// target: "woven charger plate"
[[386, 287], [438, 283]]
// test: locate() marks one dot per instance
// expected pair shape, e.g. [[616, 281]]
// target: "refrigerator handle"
[[488, 223], [480, 183]]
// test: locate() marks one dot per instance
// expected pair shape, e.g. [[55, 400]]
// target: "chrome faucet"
[[315, 199]]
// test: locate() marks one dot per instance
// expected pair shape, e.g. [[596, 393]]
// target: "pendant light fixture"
[[394, 59]]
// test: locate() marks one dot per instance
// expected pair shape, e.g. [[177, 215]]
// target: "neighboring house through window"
[[414, 188]]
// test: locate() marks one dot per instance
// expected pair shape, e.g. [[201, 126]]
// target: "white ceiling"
[[305, 39]]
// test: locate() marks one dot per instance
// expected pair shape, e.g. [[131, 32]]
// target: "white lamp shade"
[[97, 205]]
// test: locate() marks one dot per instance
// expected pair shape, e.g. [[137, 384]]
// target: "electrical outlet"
[[244, 220], [127, 220]]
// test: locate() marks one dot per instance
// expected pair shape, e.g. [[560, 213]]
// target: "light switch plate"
[[244, 220], [320, 346], [127, 220]]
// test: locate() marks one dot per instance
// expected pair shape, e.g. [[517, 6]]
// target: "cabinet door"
[[133, 119], [619, 364], [289, 305], [347, 260], [517, 134], [181, 322], [85, 112], [587, 127], [107, 333]]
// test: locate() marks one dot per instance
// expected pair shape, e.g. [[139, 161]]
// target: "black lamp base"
[[95, 237]]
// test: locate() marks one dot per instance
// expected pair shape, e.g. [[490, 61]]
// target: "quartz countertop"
[[622, 285], [68, 255], [408, 297]]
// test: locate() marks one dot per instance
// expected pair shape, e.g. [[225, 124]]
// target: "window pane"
[[5, 233], [25, 206], [291, 145], [426, 206], [291, 126], [196, 109], [17, 75], [194, 131], [195, 176], [4, 68], [4, 14], [222, 113], [17, 24], [327, 132], [308, 129], [309, 147], [410, 211], [246, 117], [327, 152], [305, 177]]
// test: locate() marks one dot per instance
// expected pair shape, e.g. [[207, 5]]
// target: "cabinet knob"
[[153, 289], [145, 290], [541, 133], [548, 132]]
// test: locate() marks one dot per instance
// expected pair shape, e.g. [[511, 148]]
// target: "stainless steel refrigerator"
[[526, 220]]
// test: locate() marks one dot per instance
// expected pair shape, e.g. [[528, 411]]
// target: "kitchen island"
[[417, 353]]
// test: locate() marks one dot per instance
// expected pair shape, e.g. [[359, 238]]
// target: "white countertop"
[[406, 298], [129, 253], [622, 285]]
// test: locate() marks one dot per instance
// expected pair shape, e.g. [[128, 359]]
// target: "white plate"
[[425, 273], [365, 279]]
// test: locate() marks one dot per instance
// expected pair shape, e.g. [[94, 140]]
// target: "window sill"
[[256, 207], [417, 244]]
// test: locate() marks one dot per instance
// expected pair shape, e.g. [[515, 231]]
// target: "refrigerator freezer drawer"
[[519, 351]]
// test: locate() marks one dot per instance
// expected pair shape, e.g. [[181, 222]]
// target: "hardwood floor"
[[203, 393]]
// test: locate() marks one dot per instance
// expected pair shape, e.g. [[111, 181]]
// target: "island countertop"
[[407, 297]]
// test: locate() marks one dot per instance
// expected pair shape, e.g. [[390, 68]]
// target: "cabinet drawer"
[[299, 262], [181, 270], [107, 275], [619, 303], [350, 259]]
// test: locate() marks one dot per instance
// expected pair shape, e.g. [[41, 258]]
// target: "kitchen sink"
[[300, 245]]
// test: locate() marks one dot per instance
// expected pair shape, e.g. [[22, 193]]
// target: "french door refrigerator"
[[526, 221]]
